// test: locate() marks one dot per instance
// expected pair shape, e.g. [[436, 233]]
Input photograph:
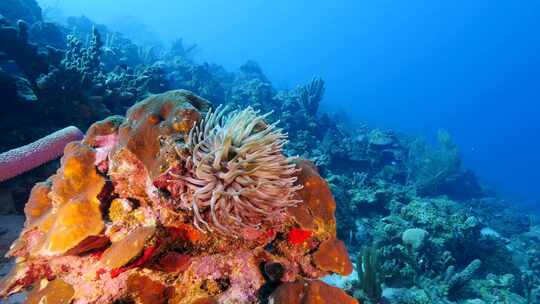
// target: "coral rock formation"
[[310, 292], [111, 224]]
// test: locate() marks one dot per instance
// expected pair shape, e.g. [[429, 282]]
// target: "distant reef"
[[26, 10]]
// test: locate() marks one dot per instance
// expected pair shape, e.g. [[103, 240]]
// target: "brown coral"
[[65, 211], [317, 211], [332, 256], [123, 251], [310, 292], [38, 203], [55, 292], [74, 192], [153, 119], [146, 290]]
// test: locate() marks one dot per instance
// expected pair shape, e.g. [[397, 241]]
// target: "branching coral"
[[456, 281], [368, 273], [311, 95], [428, 168], [235, 173]]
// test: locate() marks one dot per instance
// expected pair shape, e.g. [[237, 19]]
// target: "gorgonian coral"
[[235, 174]]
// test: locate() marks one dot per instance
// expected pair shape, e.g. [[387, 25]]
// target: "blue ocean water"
[[470, 67], [355, 85]]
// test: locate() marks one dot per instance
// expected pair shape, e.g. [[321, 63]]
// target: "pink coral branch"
[[25, 158]]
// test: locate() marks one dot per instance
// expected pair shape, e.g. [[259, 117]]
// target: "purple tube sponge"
[[25, 158]]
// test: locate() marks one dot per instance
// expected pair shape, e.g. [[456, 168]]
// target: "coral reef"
[[427, 221], [113, 225]]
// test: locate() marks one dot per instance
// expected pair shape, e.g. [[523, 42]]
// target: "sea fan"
[[236, 175]]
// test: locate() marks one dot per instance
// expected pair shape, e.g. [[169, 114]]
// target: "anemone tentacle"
[[236, 174]]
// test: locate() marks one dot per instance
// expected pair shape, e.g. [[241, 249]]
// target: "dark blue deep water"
[[470, 67]]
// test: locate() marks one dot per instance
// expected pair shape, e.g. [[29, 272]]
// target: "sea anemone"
[[235, 173]]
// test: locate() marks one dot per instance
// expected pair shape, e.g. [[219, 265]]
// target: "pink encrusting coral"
[[235, 175], [17, 161]]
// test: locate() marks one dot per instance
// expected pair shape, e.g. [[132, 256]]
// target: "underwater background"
[[467, 67], [421, 115]]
